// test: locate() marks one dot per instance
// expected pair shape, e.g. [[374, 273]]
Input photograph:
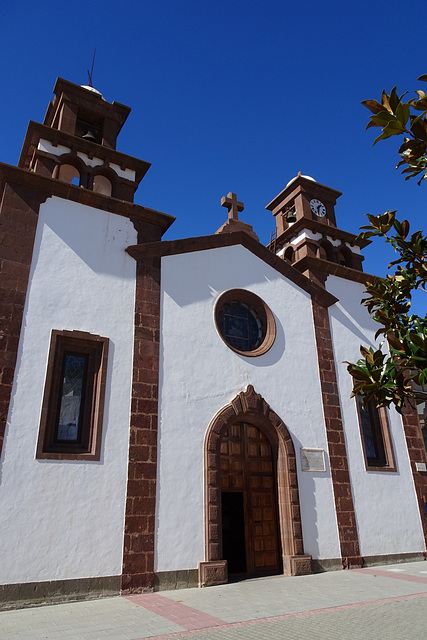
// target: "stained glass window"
[[73, 402], [372, 432], [244, 322], [240, 326], [74, 371]]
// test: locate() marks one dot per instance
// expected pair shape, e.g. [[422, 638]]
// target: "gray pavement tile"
[[252, 599], [120, 619], [402, 620]]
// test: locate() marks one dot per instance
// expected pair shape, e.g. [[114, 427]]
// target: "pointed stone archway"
[[250, 407]]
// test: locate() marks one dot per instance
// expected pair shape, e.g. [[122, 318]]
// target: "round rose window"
[[244, 322]]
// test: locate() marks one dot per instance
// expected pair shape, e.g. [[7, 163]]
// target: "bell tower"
[[77, 143], [306, 231]]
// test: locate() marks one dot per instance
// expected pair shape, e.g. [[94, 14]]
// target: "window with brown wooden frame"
[[375, 435], [73, 402]]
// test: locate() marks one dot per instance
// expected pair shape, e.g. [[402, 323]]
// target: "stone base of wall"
[[353, 562], [31, 594], [326, 564], [335, 564], [181, 579], [394, 558]]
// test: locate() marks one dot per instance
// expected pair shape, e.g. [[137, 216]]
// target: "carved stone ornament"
[[212, 573]]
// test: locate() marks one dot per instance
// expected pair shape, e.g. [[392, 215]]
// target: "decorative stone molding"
[[212, 573], [249, 406], [297, 565]]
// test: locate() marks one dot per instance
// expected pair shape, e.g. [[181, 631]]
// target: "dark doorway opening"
[[233, 532], [249, 502]]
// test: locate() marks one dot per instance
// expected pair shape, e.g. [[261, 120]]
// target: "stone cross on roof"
[[233, 205]]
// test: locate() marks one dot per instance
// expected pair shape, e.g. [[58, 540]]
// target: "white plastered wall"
[[387, 514], [65, 519], [199, 375]]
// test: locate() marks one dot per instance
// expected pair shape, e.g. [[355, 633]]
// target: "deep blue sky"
[[229, 95]]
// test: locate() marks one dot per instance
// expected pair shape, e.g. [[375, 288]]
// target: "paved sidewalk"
[[388, 601]]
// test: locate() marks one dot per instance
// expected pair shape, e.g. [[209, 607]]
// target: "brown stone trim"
[[250, 407], [63, 110], [417, 453], [22, 194], [138, 554], [301, 183], [384, 429], [19, 209], [232, 225], [47, 187], [89, 447], [34, 594], [203, 243], [320, 227], [311, 263], [51, 166], [46, 164], [346, 518], [37, 132]]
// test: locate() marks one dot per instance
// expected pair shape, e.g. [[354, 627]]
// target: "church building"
[[176, 413]]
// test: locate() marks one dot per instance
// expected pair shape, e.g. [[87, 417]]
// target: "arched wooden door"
[[250, 539]]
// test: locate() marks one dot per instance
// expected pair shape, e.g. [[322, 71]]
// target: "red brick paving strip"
[[217, 627], [186, 617], [392, 574]]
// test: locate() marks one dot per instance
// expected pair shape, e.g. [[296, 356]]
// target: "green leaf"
[[394, 100], [395, 126], [403, 113], [383, 118], [383, 136], [423, 78]]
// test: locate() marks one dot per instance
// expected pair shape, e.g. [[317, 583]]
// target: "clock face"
[[318, 208]]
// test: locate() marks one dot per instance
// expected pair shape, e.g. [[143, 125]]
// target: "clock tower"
[[307, 234]]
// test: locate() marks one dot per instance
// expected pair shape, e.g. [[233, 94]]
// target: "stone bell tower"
[[77, 143], [306, 230]]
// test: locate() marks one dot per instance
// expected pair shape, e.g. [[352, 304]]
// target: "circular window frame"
[[263, 311]]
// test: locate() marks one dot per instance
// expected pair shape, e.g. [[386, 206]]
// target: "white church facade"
[[177, 412]]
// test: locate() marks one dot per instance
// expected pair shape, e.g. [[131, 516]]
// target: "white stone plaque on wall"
[[312, 459]]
